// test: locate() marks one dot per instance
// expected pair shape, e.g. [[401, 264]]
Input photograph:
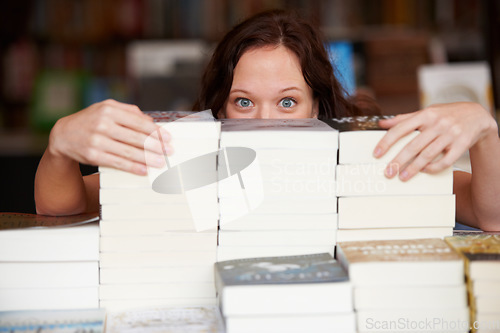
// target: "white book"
[[356, 147], [49, 274], [307, 161], [278, 238], [113, 305], [487, 304], [156, 259], [349, 235], [167, 274], [484, 269], [447, 320], [396, 211], [278, 133], [192, 129], [243, 252], [122, 179], [193, 319], [48, 298], [483, 287], [369, 179], [292, 285], [271, 323], [158, 211], [487, 322], [282, 222], [413, 262], [404, 297], [147, 227], [138, 196], [157, 290], [229, 206], [157, 243], [291, 187], [76, 243]]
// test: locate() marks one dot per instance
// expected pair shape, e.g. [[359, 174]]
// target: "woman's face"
[[268, 83]]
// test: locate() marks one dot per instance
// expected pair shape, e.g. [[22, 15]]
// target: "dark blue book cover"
[[358, 123], [313, 268]]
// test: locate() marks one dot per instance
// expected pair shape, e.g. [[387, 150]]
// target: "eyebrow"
[[281, 91]]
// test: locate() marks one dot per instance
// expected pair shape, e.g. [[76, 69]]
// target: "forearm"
[[59, 186], [485, 181]]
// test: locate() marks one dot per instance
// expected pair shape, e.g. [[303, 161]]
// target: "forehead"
[[269, 65]]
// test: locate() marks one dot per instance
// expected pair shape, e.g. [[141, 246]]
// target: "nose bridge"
[[265, 111]]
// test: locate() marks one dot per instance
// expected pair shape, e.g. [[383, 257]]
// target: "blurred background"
[[59, 56]]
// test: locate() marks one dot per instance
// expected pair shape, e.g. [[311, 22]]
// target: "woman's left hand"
[[446, 132]]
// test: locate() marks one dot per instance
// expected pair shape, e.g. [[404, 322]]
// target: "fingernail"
[[159, 161], [389, 171], [165, 136], [169, 150], [377, 152], [403, 175], [142, 169]]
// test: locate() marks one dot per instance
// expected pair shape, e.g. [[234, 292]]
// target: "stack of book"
[[482, 258], [308, 293], [406, 285], [276, 188], [374, 207], [159, 232], [47, 268]]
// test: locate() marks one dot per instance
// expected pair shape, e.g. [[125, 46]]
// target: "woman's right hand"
[[110, 134]]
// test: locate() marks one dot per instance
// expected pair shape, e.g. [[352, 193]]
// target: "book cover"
[[357, 123], [300, 285], [201, 319], [416, 262], [481, 253], [313, 268], [83, 320], [23, 220]]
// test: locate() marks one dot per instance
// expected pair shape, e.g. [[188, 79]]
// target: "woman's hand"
[[446, 132], [111, 134]]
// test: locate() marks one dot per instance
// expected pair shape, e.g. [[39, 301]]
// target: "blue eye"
[[244, 102], [287, 102]]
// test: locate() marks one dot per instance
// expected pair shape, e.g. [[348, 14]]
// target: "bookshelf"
[[89, 40]]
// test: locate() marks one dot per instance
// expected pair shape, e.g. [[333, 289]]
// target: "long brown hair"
[[278, 27]]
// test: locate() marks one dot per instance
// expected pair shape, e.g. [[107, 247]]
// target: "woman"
[[273, 65]]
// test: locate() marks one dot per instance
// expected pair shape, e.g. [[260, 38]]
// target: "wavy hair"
[[280, 28]]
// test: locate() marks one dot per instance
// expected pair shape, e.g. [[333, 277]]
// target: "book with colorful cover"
[[481, 253], [429, 261], [54, 321], [303, 284]]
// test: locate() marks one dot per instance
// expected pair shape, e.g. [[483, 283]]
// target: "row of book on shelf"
[[241, 189]]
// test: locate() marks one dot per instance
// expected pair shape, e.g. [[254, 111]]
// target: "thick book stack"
[[406, 285], [373, 207], [48, 268], [482, 263], [308, 293], [276, 188], [159, 232]]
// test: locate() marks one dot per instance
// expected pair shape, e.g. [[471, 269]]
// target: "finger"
[[131, 153], [426, 156], [411, 150], [395, 133], [444, 162], [125, 106], [390, 122], [140, 140], [120, 163]]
